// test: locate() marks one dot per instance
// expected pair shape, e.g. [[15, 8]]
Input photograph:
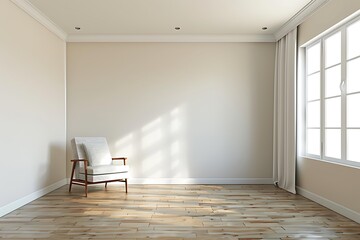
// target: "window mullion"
[[322, 99], [343, 94]]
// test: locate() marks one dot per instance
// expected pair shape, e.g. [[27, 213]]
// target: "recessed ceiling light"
[[177, 28], [77, 28], [264, 28]]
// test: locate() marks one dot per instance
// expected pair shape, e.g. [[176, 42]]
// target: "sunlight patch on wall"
[[175, 151], [125, 146], [151, 138], [175, 148], [152, 164], [157, 149], [175, 123]]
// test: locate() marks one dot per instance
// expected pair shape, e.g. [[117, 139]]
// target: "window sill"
[[339, 162]]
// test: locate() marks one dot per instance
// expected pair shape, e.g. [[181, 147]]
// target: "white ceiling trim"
[[299, 18], [296, 20], [40, 17], [170, 38]]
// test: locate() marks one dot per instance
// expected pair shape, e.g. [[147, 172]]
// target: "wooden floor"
[[176, 212]]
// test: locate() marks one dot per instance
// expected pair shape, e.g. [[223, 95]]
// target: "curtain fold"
[[284, 142]]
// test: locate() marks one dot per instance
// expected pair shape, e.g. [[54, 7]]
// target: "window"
[[332, 96]]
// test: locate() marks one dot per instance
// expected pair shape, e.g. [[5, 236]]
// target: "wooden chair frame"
[[85, 182]]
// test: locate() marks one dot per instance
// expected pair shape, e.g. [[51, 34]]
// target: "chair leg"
[[86, 189], [86, 182], [106, 185], [72, 175], [126, 186]]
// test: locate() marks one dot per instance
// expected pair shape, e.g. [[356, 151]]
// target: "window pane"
[[313, 114], [353, 40], [353, 149], [332, 81], [333, 143], [313, 141], [333, 50], [353, 75], [313, 59], [333, 112], [353, 110], [313, 87]]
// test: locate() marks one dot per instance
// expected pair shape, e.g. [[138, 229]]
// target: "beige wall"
[[334, 182], [32, 105], [177, 110]]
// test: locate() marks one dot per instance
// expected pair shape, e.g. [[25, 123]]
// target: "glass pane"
[[313, 87], [333, 50], [353, 150], [333, 112], [353, 76], [313, 59], [313, 114], [332, 81], [313, 141], [353, 110], [353, 40], [333, 143]]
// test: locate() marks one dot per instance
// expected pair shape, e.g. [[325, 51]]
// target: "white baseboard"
[[197, 181], [330, 204], [31, 197], [200, 181]]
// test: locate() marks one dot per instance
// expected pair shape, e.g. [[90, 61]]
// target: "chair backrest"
[[78, 148], [77, 144]]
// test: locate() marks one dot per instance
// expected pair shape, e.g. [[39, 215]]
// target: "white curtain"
[[284, 146]]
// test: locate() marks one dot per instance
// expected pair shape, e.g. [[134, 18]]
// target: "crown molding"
[[30, 9], [299, 17], [170, 38], [296, 20]]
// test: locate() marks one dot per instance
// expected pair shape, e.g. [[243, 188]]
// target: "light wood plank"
[[176, 212]]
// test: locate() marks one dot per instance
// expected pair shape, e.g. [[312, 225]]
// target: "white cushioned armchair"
[[94, 164]]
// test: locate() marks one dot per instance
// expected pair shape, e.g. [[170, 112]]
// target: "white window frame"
[[343, 160]]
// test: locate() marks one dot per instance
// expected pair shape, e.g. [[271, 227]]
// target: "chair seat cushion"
[[105, 169], [104, 177]]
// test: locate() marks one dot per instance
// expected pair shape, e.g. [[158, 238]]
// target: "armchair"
[[93, 163]]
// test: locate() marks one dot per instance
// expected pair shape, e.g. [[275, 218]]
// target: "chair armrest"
[[79, 160], [75, 161], [120, 158]]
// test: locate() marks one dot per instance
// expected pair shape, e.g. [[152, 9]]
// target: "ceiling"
[[161, 17]]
